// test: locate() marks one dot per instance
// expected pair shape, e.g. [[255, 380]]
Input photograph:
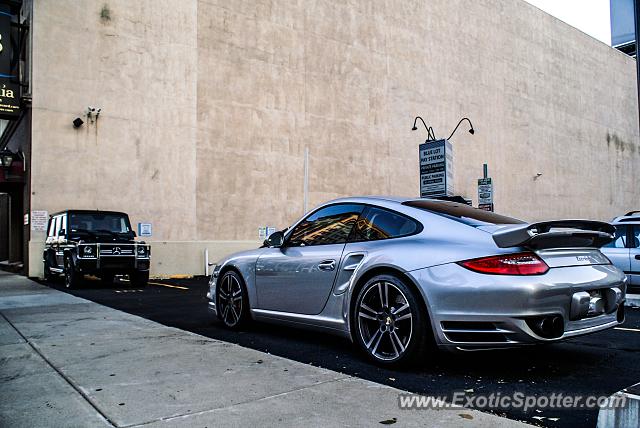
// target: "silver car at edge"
[[397, 276], [624, 250]]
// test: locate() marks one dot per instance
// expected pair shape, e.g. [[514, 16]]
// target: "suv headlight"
[[142, 251], [87, 251]]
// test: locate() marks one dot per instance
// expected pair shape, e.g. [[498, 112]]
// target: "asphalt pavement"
[[68, 362], [599, 364]]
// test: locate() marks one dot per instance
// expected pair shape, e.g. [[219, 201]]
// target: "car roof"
[[626, 220], [88, 212], [372, 199]]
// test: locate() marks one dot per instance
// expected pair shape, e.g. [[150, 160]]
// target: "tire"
[[389, 325], [71, 277], [48, 275], [232, 303], [139, 278]]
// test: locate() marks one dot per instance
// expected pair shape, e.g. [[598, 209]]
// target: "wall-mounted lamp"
[[430, 133], [93, 114], [538, 175], [6, 158], [471, 130], [77, 122]]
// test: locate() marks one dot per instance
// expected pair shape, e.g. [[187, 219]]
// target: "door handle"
[[327, 265], [637, 256]]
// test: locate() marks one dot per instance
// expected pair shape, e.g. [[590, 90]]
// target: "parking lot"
[[599, 364]]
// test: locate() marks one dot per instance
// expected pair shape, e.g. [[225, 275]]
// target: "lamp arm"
[[456, 128]]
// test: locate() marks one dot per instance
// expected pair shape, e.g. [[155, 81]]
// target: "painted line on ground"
[[627, 329], [167, 285]]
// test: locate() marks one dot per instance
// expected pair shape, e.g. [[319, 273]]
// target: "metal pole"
[[485, 172], [637, 26], [306, 179]]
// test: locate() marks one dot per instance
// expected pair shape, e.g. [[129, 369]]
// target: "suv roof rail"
[[632, 213]]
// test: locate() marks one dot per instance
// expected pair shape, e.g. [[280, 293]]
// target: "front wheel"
[[71, 277], [48, 275], [389, 325], [232, 303]]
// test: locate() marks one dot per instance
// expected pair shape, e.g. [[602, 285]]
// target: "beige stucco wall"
[[208, 106]]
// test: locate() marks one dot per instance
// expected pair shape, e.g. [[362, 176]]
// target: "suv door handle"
[[637, 256], [327, 265]]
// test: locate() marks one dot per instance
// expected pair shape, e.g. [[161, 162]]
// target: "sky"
[[589, 16]]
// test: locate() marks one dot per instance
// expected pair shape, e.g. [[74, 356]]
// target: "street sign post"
[[436, 169], [485, 194]]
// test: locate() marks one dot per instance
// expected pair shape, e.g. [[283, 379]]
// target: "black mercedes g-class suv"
[[99, 243]]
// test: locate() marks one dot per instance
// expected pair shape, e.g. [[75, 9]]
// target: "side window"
[[329, 225], [378, 223], [620, 238], [636, 237], [52, 227], [56, 226]]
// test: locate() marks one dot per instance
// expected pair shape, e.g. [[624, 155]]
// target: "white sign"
[[485, 191], [436, 169], [265, 231], [145, 229], [39, 221]]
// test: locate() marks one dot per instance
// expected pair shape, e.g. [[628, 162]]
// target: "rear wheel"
[[232, 303], [389, 325]]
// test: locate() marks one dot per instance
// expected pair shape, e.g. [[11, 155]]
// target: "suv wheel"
[[48, 275], [139, 278], [71, 277]]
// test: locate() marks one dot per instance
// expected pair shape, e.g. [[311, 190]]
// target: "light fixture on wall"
[[77, 122], [6, 158], [471, 130], [93, 114], [430, 134]]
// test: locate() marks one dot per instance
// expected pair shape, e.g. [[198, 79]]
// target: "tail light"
[[508, 264]]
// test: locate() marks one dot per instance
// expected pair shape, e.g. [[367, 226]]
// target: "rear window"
[[462, 213]]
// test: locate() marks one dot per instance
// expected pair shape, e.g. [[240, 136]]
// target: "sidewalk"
[[66, 361]]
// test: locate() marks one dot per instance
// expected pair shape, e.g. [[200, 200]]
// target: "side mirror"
[[275, 240]]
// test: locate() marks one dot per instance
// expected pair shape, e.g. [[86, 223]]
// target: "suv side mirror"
[[275, 240]]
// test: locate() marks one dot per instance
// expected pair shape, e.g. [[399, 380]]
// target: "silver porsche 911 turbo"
[[398, 275]]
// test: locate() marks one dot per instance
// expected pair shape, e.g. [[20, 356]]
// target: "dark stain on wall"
[[619, 144]]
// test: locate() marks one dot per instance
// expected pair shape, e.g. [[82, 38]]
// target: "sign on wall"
[[9, 82], [485, 194], [39, 220], [436, 169], [145, 229], [265, 231]]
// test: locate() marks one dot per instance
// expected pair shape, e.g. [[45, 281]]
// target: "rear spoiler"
[[555, 234]]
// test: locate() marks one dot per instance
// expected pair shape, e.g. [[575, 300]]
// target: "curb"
[[620, 417]]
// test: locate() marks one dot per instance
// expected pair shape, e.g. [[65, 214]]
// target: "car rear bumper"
[[470, 311]]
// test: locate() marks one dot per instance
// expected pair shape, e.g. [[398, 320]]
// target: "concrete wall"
[[208, 106]]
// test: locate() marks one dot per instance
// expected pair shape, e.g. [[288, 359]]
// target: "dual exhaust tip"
[[552, 326], [548, 327]]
